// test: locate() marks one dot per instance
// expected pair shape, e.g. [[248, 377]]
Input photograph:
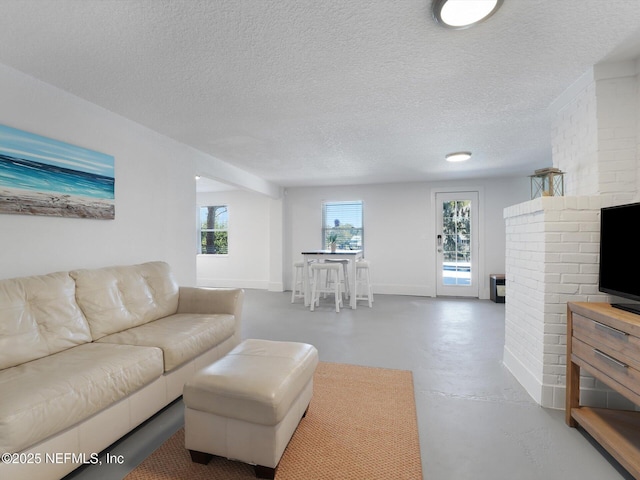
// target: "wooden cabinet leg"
[[572, 395], [573, 392]]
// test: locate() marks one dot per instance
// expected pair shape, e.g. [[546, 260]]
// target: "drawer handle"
[[613, 361], [611, 331]]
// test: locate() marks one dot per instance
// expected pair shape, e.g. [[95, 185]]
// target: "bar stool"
[[363, 282], [298, 281], [331, 285], [345, 275]]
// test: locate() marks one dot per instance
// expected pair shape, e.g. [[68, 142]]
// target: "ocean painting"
[[42, 176]]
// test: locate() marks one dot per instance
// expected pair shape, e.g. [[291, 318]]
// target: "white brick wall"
[[574, 137], [552, 243], [551, 258], [595, 135], [617, 110]]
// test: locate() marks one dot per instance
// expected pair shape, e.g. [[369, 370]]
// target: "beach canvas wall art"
[[42, 176]]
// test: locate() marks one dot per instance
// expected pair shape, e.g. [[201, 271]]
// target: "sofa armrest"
[[211, 300]]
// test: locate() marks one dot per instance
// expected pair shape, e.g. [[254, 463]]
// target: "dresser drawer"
[[608, 364], [614, 342]]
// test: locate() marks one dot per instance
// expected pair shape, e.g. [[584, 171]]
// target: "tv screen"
[[619, 258]]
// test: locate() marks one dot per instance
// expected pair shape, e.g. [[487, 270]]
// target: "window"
[[344, 219], [214, 230], [456, 248]]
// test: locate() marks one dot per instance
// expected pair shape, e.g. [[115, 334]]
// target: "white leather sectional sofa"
[[87, 355]]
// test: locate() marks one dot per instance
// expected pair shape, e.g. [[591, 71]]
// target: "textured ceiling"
[[318, 92]]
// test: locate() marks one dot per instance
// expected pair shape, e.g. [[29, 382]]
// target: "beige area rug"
[[361, 424]]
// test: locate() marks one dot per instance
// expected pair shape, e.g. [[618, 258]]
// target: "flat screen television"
[[619, 272]]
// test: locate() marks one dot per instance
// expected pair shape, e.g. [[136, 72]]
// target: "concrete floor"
[[475, 420]]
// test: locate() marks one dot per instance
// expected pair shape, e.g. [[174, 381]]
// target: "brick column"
[[552, 244], [552, 250]]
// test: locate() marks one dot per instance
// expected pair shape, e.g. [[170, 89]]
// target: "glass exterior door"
[[456, 244]]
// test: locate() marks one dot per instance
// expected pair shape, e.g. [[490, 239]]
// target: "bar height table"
[[320, 255]]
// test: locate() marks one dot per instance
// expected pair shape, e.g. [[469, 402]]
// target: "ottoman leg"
[[200, 457], [265, 472]]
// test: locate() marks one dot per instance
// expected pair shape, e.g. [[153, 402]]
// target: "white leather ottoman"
[[247, 405]]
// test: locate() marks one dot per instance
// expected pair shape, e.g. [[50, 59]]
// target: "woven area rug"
[[361, 424]]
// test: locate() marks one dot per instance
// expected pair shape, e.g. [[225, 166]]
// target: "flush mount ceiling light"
[[458, 157], [463, 13]]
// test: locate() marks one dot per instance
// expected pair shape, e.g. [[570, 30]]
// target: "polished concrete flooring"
[[476, 422]]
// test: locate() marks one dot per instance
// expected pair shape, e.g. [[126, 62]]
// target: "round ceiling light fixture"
[[458, 157], [460, 14]]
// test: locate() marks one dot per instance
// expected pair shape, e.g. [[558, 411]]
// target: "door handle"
[[439, 240]]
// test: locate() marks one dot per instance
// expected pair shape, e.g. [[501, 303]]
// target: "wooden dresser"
[[605, 342]]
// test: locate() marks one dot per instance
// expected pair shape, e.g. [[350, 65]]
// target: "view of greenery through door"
[[456, 244]]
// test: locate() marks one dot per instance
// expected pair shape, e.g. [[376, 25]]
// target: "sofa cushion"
[[181, 337], [43, 397], [39, 316], [117, 298]]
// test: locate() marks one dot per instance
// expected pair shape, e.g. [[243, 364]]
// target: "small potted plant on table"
[[332, 240]]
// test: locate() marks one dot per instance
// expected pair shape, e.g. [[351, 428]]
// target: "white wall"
[[399, 228], [154, 189], [155, 208], [255, 243]]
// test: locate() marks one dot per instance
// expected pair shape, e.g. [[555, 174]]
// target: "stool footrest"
[[247, 405]]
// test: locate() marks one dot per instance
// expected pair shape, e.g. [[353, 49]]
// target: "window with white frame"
[[342, 223], [214, 230]]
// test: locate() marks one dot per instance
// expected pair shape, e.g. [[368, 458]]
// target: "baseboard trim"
[[524, 376], [393, 289], [233, 283]]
